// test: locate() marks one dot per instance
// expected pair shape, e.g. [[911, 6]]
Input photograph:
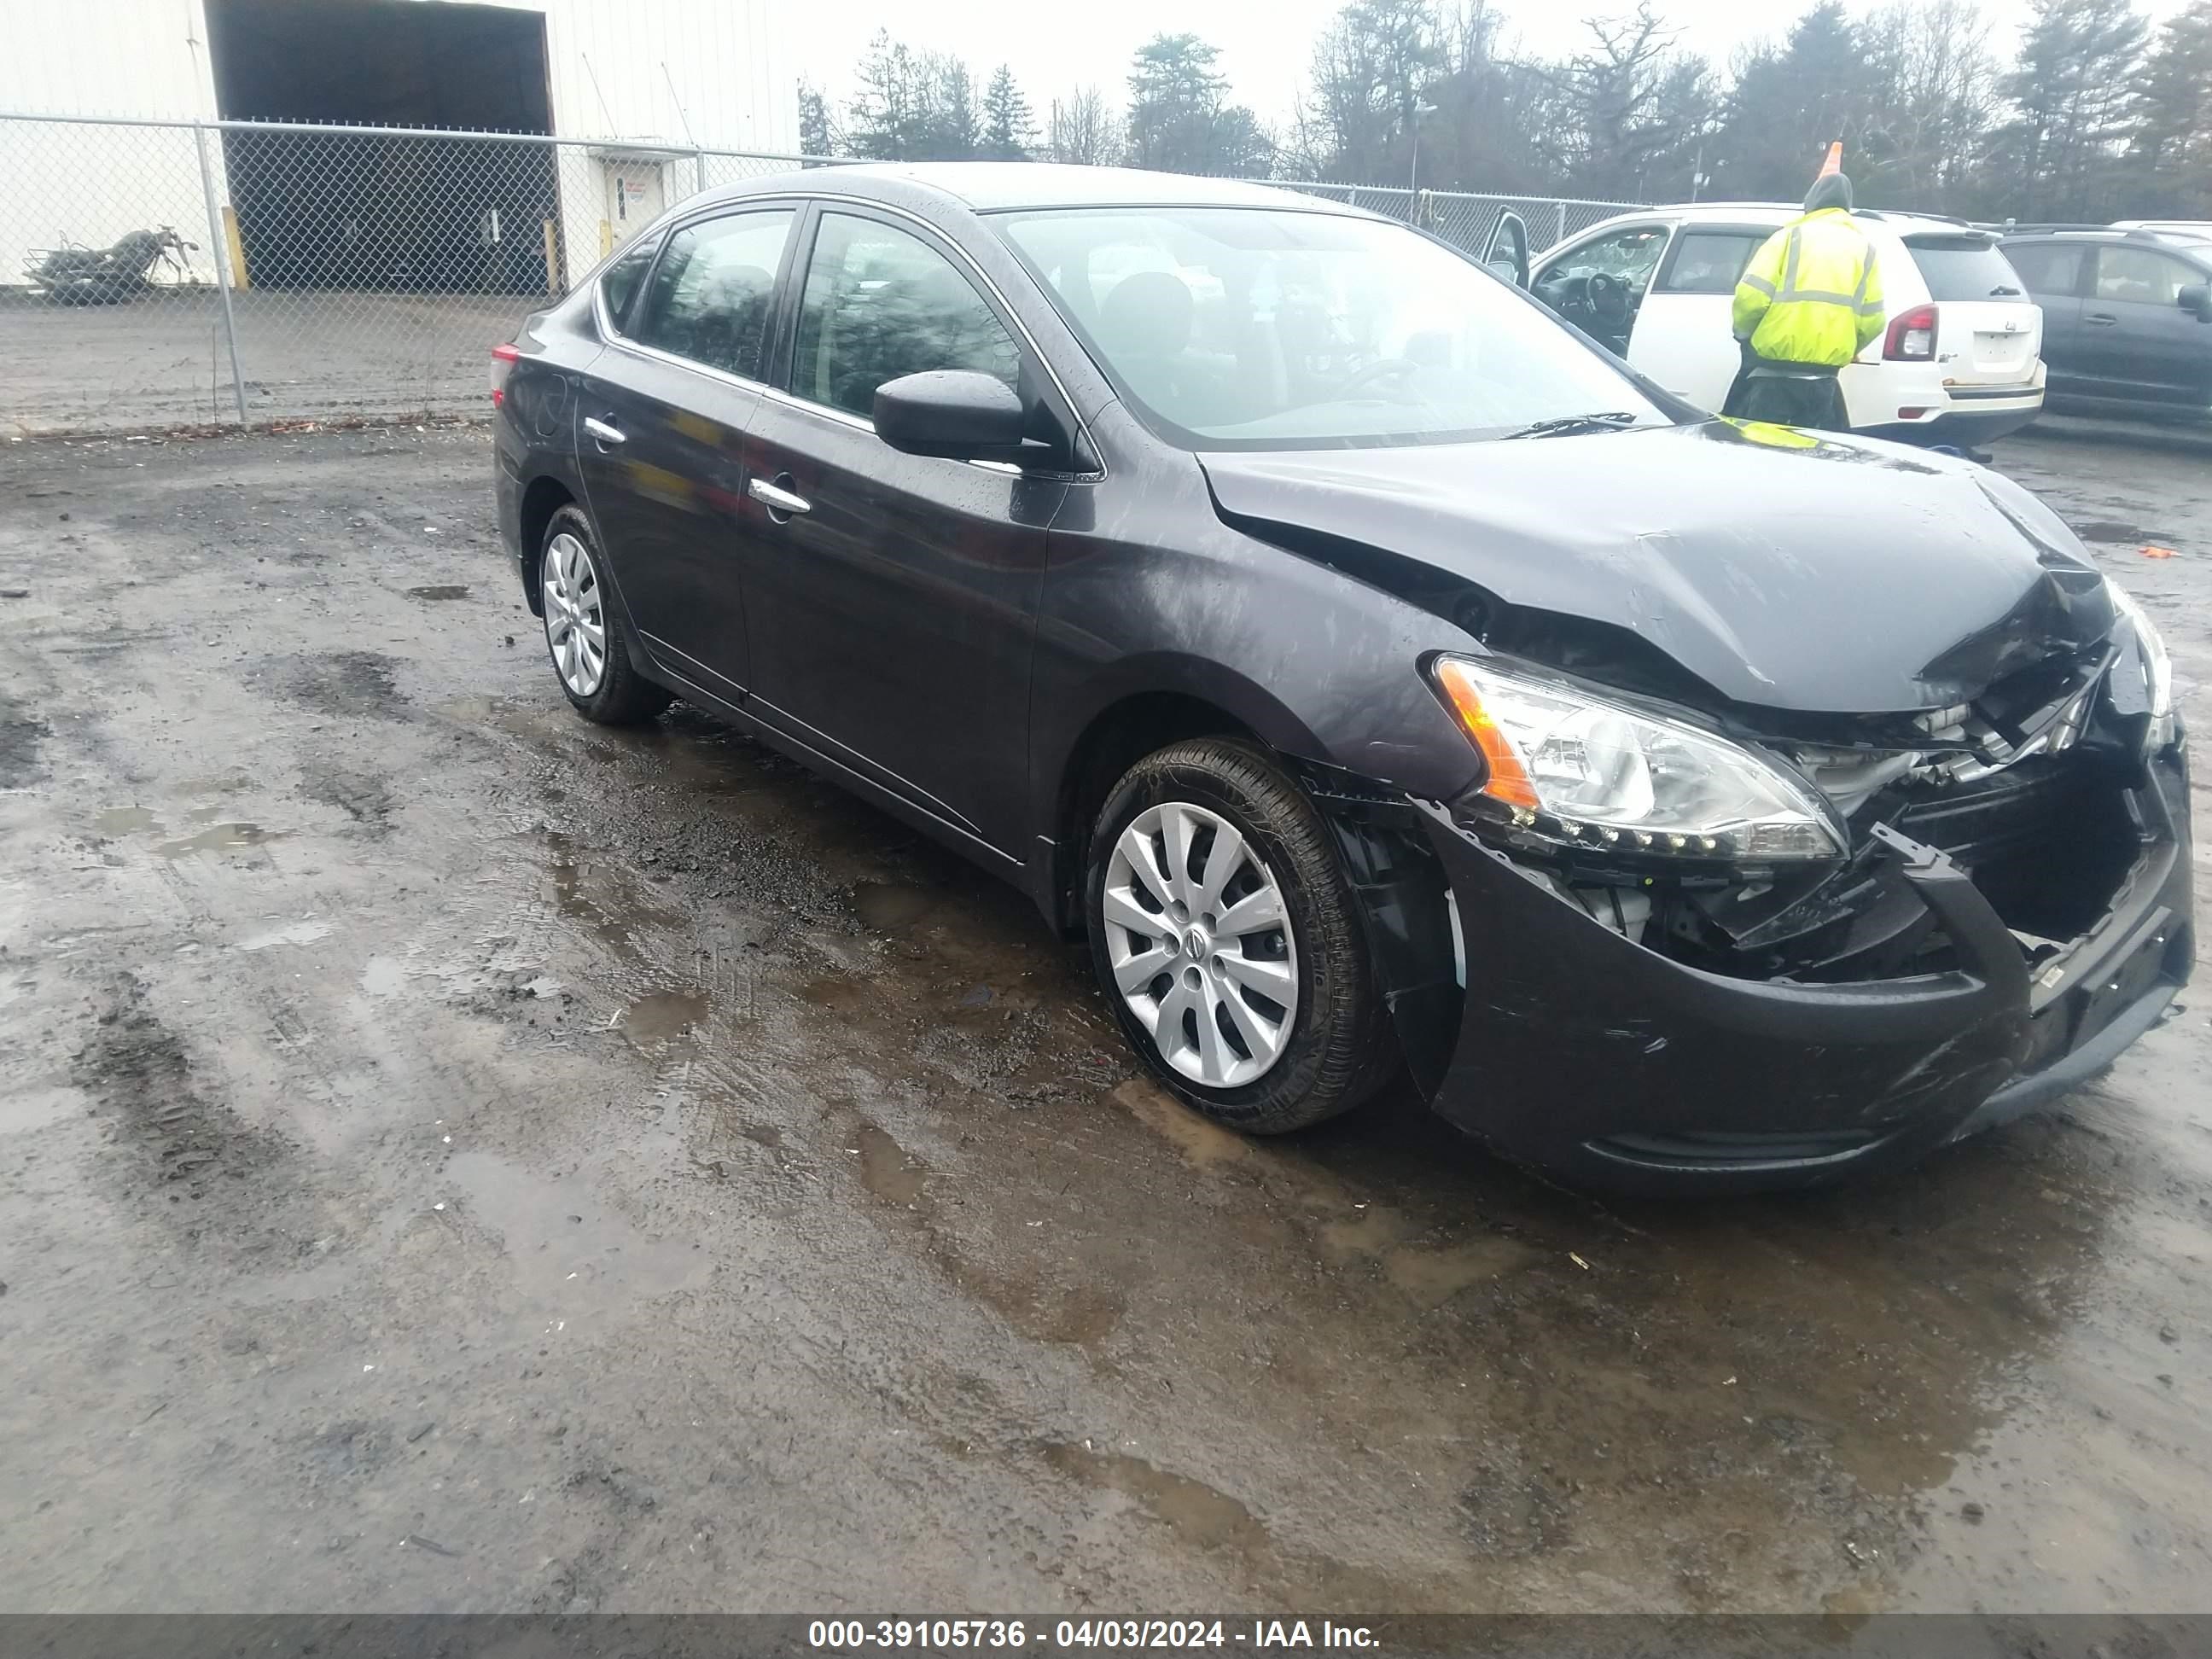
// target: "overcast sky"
[[1266, 45]]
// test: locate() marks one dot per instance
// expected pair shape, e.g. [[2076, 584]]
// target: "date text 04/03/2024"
[[897, 1635]]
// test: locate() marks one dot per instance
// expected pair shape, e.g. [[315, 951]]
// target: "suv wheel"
[[1227, 942], [585, 632]]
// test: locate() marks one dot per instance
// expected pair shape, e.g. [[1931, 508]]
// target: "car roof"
[[1002, 186], [1779, 213]]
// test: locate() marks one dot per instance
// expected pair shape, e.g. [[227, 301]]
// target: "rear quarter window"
[[619, 283], [1964, 268]]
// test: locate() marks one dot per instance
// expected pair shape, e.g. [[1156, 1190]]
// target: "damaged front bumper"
[[1579, 1050]]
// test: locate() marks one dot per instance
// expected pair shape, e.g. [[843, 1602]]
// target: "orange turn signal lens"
[[1508, 778]]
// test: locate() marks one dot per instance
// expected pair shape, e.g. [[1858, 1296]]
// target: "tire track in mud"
[[180, 1144]]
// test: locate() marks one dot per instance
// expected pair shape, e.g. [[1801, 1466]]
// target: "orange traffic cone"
[[1834, 164]]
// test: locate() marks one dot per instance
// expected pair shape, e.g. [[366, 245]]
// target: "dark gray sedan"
[[1385, 680]]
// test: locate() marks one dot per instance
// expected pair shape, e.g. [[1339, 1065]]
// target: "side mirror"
[[2197, 300], [958, 414]]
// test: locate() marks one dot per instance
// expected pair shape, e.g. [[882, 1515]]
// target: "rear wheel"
[[585, 633], [1227, 942]]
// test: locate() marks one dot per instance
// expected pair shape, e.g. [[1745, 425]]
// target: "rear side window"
[[1964, 268], [618, 288], [1710, 261], [711, 292], [2052, 268]]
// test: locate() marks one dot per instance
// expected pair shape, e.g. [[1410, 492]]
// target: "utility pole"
[[1414, 172]]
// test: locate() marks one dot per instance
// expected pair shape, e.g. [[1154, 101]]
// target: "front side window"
[[1256, 328], [2049, 267], [880, 303], [2138, 275], [1711, 261], [713, 291], [1630, 254]]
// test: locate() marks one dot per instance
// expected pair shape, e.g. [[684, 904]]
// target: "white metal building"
[[684, 74]]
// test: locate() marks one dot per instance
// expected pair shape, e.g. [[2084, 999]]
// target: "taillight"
[[1911, 336], [504, 358]]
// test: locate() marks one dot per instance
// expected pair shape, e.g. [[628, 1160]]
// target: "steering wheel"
[[1383, 369], [1608, 297]]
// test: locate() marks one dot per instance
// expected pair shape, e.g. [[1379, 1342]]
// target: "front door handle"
[[603, 432], [2101, 320], [776, 499]]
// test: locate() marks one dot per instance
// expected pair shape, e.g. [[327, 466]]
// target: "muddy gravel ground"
[[452, 1157]]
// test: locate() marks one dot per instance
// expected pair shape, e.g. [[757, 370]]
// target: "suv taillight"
[[1911, 336], [503, 364]]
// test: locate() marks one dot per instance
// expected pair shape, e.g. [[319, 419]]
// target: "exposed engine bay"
[[2028, 788]]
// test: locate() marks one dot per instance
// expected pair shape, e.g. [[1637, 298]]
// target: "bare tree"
[[1084, 129]]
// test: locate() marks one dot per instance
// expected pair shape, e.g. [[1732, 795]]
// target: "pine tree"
[[1009, 130]]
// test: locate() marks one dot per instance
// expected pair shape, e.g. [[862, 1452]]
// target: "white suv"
[[1960, 361]]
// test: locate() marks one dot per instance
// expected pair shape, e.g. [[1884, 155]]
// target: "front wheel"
[[1227, 939]]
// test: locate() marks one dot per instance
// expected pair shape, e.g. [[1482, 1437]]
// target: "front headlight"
[[1585, 772], [2157, 666]]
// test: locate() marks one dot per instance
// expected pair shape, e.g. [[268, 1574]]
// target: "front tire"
[[585, 632], [1228, 944]]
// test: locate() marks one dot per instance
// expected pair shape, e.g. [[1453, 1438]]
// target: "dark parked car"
[[2127, 319], [1384, 679]]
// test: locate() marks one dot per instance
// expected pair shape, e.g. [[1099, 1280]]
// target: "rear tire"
[[585, 633], [1262, 1028]]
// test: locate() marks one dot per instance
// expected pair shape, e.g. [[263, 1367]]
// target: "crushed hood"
[[1784, 571]]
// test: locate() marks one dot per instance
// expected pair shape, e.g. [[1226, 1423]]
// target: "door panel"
[[2140, 342], [662, 421], [891, 618], [1684, 337], [2052, 273]]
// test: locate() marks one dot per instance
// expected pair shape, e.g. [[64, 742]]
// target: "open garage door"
[[406, 214]]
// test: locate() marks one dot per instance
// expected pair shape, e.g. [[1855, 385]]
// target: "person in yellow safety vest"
[[1808, 302]]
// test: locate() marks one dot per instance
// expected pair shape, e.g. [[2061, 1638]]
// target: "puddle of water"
[[886, 1170], [1038, 1308], [127, 821], [843, 996], [566, 1245], [1434, 1277], [891, 910], [218, 838], [1370, 1232], [443, 592], [22, 1109], [384, 976], [1201, 1143], [663, 1016], [2110, 533], [585, 891], [1199, 1515], [300, 932]]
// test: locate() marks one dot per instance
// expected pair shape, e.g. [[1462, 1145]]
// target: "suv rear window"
[[1964, 268]]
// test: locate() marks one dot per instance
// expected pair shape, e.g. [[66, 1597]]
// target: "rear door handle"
[[604, 433], [777, 499], [2101, 320]]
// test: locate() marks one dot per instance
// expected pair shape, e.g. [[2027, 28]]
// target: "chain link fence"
[[165, 274], [1467, 220]]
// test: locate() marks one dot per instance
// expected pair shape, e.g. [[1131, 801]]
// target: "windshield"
[[1964, 268], [1242, 328]]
